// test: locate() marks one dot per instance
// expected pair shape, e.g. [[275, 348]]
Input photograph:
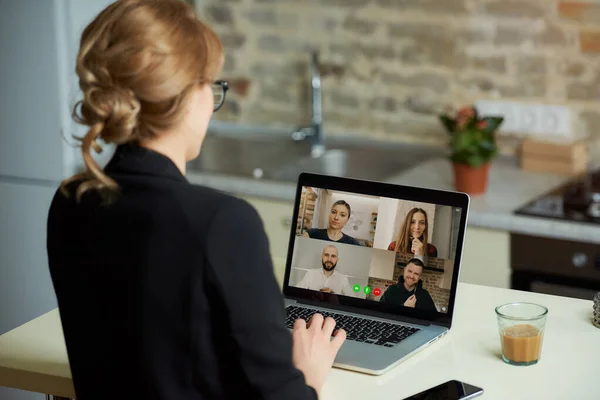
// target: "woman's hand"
[[314, 350], [417, 247]]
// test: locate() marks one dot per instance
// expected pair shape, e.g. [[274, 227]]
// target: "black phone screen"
[[451, 390]]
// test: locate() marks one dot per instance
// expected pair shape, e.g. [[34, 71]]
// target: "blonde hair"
[[403, 242], [138, 63]]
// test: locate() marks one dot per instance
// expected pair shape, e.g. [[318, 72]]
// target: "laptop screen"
[[395, 253]]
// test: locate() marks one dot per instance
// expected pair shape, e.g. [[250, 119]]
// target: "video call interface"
[[397, 252]]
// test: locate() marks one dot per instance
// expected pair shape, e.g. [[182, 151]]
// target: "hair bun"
[[139, 63], [116, 108]]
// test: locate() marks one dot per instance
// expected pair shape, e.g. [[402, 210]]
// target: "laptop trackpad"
[[373, 359]]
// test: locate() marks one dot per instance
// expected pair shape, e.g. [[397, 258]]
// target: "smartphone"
[[451, 390]]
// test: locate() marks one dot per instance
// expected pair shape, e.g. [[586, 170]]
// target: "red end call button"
[[376, 291]]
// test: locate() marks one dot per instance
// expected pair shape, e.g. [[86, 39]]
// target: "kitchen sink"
[[279, 158]]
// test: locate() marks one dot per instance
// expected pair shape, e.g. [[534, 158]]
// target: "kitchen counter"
[[509, 188], [33, 356]]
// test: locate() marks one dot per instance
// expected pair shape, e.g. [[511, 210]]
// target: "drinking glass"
[[521, 327]]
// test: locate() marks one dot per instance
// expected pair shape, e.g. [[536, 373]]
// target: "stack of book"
[[567, 158]]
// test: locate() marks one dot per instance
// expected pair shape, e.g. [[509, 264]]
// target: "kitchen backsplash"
[[390, 66]]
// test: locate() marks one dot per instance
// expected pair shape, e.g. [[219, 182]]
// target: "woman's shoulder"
[[392, 246], [204, 200], [316, 232], [206, 193], [206, 208], [431, 248], [349, 239], [227, 203]]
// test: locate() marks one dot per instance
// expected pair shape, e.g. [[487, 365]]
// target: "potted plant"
[[473, 146]]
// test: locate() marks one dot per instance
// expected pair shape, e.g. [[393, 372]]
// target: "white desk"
[[33, 356]]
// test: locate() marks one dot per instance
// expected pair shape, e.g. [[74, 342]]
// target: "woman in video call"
[[413, 235], [338, 217], [166, 289]]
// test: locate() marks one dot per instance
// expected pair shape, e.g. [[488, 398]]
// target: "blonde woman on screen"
[[413, 236]]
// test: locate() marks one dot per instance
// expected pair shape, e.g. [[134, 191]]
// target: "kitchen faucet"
[[314, 132]]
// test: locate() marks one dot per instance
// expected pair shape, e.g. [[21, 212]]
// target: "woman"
[[338, 217], [412, 237], [166, 289]]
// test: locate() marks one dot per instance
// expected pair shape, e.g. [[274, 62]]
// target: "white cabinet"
[[25, 287], [486, 258], [277, 219]]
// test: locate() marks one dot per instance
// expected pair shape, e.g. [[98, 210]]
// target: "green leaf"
[[459, 158], [487, 144], [448, 123], [461, 141], [493, 123], [472, 125], [475, 160]]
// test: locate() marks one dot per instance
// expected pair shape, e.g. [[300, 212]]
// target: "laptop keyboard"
[[358, 329]]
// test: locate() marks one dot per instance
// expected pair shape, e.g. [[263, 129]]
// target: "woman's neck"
[[169, 146], [334, 234]]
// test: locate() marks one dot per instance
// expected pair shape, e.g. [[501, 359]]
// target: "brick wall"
[[430, 283], [391, 65], [433, 262]]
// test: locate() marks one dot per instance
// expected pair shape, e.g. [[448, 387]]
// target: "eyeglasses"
[[219, 89]]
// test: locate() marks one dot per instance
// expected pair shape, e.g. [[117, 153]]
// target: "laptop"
[[382, 259]]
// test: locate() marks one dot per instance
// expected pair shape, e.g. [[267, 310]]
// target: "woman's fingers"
[[316, 322], [328, 326], [339, 337], [299, 324]]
